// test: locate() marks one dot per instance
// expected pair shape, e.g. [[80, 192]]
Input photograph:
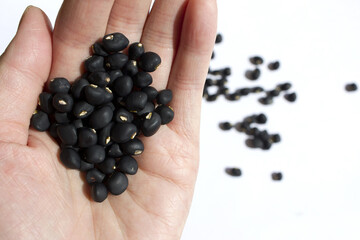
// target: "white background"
[[317, 43]]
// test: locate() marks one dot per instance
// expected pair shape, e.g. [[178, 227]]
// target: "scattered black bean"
[[275, 138], [235, 172], [256, 60], [276, 176], [253, 74], [274, 65], [225, 126], [266, 100], [261, 118], [291, 97], [351, 87]]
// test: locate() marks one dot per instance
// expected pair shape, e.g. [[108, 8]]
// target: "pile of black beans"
[[98, 119], [256, 138]]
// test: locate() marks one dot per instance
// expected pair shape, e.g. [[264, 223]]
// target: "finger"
[[24, 67], [78, 25], [191, 64], [128, 17], [161, 35]]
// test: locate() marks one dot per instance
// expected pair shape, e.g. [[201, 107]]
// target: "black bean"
[[164, 96], [351, 87], [87, 137], [150, 124], [107, 166], [225, 126], [104, 138], [98, 49], [166, 113], [266, 100], [212, 55], [252, 131], [253, 74], [94, 63], [263, 135], [130, 68], [123, 85], [261, 118], [127, 164], [45, 102], [53, 130], [100, 117], [123, 115], [136, 49], [149, 107], [273, 93], [63, 102], [114, 74], [82, 109], [254, 142], [149, 61], [256, 60], [211, 97], [133, 147], [110, 105], [59, 85], [274, 65], [115, 42], [276, 176], [291, 97], [151, 92], [94, 176], [266, 144], [95, 154], [117, 183], [219, 38], [61, 117], [99, 192], [67, 134], [114, 151], [78, 123], [100, 79], [242, 126], [235, 172], [40, 121], [78, 86], [123, 132], [243, 91], [136, 101], [284, 86], [275, 138], [257, 89], [94, 94], [108, 95], [85, 166], [70, 158], [232, 96], [116, 61]]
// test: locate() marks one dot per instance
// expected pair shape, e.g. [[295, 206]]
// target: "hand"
[[40, 198]]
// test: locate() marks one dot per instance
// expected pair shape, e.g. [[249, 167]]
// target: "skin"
[[40, 198]]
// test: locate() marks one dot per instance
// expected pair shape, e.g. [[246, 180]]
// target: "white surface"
[[317, 43]]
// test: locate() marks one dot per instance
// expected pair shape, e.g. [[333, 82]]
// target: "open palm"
[[40, 198]]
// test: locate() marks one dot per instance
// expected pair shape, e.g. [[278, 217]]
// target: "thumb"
[[24, 68]]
